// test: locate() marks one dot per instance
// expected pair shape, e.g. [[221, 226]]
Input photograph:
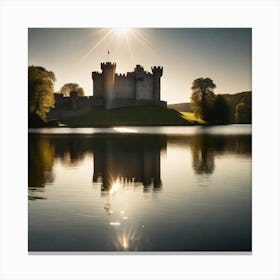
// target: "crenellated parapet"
[[157, 70], [121, 75], [108, 65], [137, 86], [95, 75], [139, 72]]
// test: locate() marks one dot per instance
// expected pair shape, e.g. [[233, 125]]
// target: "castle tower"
[[108, 73], [157, 73], [97, 84], [139, 77]]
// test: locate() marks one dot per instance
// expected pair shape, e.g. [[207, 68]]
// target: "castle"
[[111, 90], [135, 88]]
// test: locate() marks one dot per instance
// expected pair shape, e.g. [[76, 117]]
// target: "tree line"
[[41, 94], [219, 109]]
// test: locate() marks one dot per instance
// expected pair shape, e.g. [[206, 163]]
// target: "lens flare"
[[115, 186], [121, 31]]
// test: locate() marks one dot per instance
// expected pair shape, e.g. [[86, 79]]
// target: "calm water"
[[140, 189]]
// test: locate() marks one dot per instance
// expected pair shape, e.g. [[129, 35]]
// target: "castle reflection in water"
[[132, 159]]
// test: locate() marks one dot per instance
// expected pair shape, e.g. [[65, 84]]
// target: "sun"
[[122, 31]]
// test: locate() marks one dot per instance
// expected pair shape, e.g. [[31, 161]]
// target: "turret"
[[97, 84], [157, 73], [139, 72], [139, 76], [108, 73]]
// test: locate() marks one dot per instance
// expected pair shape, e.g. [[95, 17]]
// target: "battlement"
[[157, 70], [138, 68], [136, 86], [121, 75], [108, 65], [95, 75]]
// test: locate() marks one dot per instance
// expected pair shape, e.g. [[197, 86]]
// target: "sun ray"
[[97, 44], [121, 31], [141, 39], [129, 49]]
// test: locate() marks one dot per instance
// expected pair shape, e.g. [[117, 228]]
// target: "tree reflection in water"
[[111, 203], [202, 154], [131, 160], [41, 154], [205, 148]]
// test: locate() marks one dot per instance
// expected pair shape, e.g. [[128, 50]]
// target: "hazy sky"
[[222, 54]]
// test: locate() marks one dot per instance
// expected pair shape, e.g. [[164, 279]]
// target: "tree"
[[80, 91], [243, 113], [243, 110], [202, 99], [222, 110], [69, 87], [40, 92]]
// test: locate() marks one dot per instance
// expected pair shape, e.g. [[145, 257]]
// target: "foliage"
[[222, 110], [203, 86], [243, 113], [243, 110], [40, 92], [72, 87], [202, 99], [233, 101], [80, 91], [214, 109]]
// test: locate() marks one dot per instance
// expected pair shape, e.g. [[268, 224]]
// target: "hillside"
[[129, 116], [240, 106], [181, 107]]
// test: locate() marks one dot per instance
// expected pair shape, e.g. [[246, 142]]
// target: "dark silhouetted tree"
[[222, 110], [72, 87], [243, 110], [242, 113], [80, 91], [202, 99], [40, 92]]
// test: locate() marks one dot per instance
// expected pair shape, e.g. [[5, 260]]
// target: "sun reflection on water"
[[125, 130], [115, 186], [115, 224], [124, 228], [126, 238]]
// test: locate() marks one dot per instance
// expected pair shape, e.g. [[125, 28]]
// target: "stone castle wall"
[[111, 90], [124, 87], [145, 88], [116, 89]]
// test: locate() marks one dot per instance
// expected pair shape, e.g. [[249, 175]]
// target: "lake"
[[145, 189]]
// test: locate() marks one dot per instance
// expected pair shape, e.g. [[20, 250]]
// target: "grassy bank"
[[192, 118], [129, 116]]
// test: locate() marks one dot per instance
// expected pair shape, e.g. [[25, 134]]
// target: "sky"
[[222, 54]]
